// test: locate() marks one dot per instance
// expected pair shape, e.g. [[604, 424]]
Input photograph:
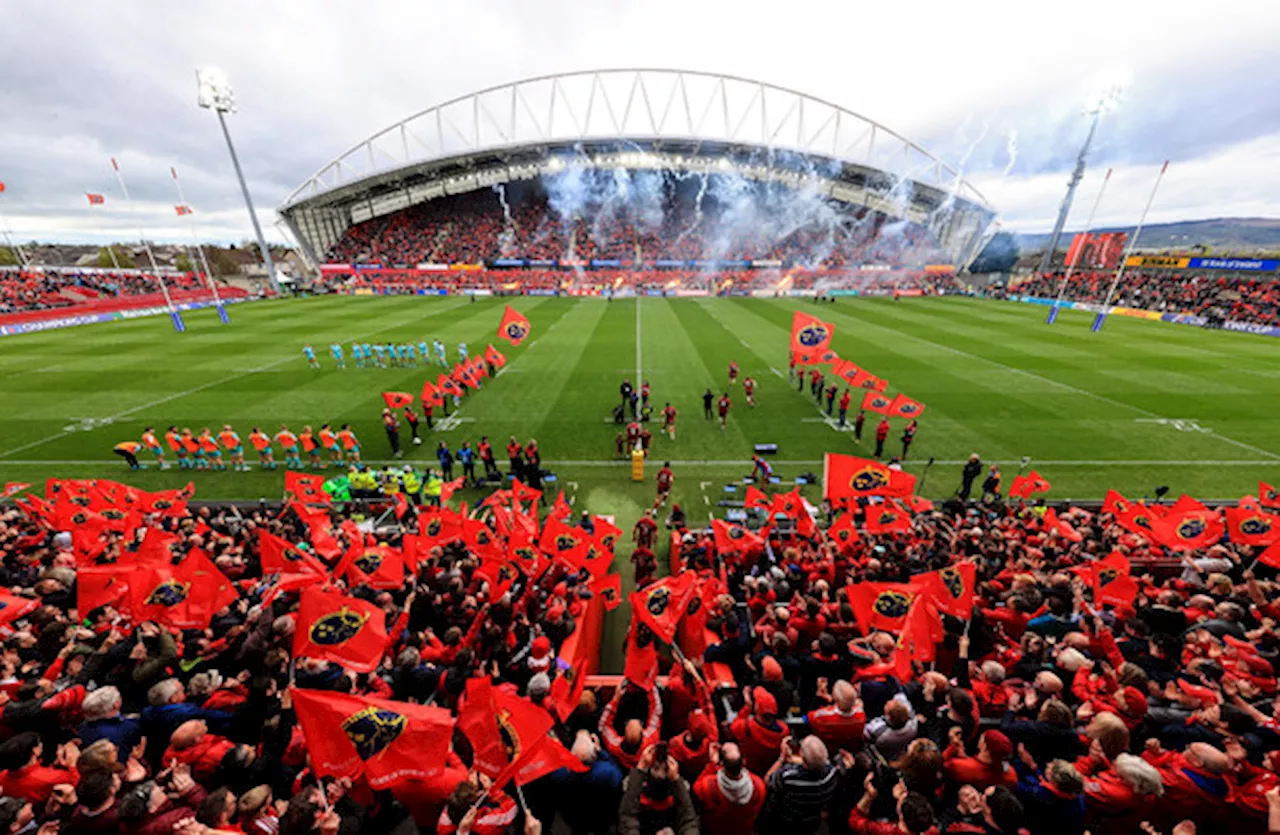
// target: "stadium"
[[643, 452]]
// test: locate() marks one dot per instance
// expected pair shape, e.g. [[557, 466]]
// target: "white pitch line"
[[779, 373]]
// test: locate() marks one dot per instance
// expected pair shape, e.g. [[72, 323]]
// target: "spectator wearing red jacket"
[[729, 795], [1196, 782], [193, 746], [692, 749], [24, 775], [840, 724], [1119, 794], [989, 767], [758, 731]]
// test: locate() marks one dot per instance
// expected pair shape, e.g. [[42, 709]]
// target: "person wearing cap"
[[692, 749], [989, 767], [757, 729], [729, 795]]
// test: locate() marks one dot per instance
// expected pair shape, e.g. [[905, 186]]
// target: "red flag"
[[1271, 556], [641, 666], [280, 556], [792, 505], [558, 538], [305, 488], [183, 596], [951, 588], [521, 493], [431, 396], [101, 585], [376, 566], [1268, 496], [541, 758], [388, 742], [182, 209], [166, 502], [13, 607], [342, 629], [1111, 581], [756, 498], [905, 407], [917, 641], [1115, 503], [874, 401], [1189, 530], [849, 477], [881, 605], [1249, 503], [844, 532], [1252, 527], [448, 385], [1186, 503], [13, 488], [501, 727], [809, 334], [320, 528], [500, 574], [866, 380], [730, 538], [450, 487], [466, 376], [514, 326], [661, 605], [1053, 523], [494, 357], [397, 399], [919, 504], [95, 199], [1138, 519], [560, 509], [887, 518], [609, 587], [1025, 486], [606, 533]]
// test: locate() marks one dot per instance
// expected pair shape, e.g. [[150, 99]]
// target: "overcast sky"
[[81, 82]]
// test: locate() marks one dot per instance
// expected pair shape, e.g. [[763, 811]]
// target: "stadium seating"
[[1217, 297], [51, 289]]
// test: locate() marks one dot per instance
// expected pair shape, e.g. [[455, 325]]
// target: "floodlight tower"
[[1106, 102], [215, 94]]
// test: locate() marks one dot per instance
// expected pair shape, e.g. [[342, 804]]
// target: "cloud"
[[84, 81]]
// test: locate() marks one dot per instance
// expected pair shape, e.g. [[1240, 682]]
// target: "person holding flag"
[[882, 434], [908, 436]]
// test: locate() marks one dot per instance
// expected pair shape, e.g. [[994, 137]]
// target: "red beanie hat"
[[771, 669], [700, 726], [541, 646], [764, 702], [998, 745]]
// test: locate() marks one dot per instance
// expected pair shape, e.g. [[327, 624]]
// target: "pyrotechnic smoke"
[[1011, 146]]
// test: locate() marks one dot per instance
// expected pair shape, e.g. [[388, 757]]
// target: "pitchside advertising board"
[[1174, 262], [96, 318], [1152, 315]]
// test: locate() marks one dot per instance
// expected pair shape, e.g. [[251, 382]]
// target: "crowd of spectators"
[[1045, 712], [53, 288], [484, 225], [604, 281], [1241, 298]]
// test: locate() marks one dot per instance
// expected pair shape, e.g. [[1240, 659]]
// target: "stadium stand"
[[528, 224], [1215, 297], [50, 289], [1060, 707]]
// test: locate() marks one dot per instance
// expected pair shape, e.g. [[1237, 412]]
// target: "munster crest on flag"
[[386, 741], [874, 401], [903, 406], [95, 199], [397, 399], [847, 476], [810, 335], [345, 630], [514, 326]]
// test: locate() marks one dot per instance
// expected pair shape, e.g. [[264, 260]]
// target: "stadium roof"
[[637, 118]]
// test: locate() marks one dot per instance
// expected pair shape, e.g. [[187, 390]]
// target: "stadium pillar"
[[215, 94], [1065, 208]]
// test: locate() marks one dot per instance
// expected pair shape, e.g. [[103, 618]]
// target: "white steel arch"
[[640, 104]]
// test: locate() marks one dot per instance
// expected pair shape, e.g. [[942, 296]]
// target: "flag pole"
[[176, 317], [195, 240], [1106, 304], [1088, 228]]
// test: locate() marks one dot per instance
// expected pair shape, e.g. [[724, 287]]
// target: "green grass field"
[[1092, 410]]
